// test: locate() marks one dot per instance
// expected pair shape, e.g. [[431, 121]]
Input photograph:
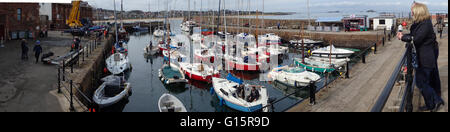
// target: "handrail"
[[384, 96]]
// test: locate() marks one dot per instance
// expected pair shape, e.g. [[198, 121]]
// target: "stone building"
[[19, 20]]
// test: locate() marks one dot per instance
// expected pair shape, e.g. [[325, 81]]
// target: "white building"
[[46, 10], [379, 23]]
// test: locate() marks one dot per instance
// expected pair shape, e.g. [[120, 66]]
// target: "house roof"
[[329, 19]]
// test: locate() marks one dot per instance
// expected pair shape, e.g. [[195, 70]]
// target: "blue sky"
[[278, 5]]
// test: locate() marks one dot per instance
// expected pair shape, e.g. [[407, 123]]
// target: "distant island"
[[371, 11], [333, 12]]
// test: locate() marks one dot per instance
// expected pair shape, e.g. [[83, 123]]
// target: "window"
[[382, 22], [19, 14]]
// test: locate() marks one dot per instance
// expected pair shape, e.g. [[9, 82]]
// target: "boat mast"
[[239, 13], [166, 32], [249, 13], [256, 29], [218, 17], [263, 24], [121, 14], [189, 8], [309, 16], [331, 48], [303, 44], [115, 21]]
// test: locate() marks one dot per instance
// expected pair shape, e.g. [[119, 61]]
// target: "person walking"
[[424, 39], [37, 50], [2, 42], [24, 49]]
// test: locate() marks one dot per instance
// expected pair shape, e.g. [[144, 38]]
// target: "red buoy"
[[105, 70]]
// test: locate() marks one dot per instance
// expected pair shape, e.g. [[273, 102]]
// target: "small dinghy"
[[111, 92], [321, 65], [150, 50], [293, 76], [170, 103], [117, 63], [234, 94], [335, 52], [172, 74], [159, 32], [199, 72]]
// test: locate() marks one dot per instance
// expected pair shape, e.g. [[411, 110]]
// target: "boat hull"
[[239, 107], [313, 68], [242, 67], [200, 78]]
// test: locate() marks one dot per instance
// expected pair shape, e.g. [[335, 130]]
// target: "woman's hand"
[[399, 35]]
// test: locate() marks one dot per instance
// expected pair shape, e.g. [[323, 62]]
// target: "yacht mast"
[[309, 16], [115, 21]]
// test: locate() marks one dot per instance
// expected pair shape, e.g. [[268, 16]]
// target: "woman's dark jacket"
[[424, 39]]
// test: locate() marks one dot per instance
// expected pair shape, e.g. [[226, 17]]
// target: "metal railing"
[[362, 55], [65, 83], [406, 102]]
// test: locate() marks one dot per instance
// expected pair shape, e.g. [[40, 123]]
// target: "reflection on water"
[[196, 96]]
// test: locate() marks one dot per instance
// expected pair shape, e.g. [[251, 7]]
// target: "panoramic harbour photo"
[[224, 56]]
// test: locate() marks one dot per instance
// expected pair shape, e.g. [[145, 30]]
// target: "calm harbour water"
[[147, 88]]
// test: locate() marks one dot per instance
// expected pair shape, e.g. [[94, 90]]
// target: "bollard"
[[59, 80], [87, 55], [383, 41], [375, 49], [83, 56], [90, 47], [71, 68], [71, 97], [347, 73], [312, 93], [363, 58], [64, 70]]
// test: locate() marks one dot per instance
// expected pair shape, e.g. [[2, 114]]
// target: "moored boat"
[[321, 65], [111, 92], [332, 51], [241, 64], [293, 76], [172, 74], [170, 103], [269, 39], [236, 95], [199, 72], [117, 63]]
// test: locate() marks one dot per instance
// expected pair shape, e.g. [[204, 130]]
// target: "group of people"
[[254, 94], [37, 50]]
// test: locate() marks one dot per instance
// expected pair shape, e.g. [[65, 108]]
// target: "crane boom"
[[74, 18]]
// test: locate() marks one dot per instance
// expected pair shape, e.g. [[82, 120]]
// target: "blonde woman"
[[424, 39]]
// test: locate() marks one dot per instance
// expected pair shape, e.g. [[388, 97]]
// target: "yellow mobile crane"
[[74, 18]]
